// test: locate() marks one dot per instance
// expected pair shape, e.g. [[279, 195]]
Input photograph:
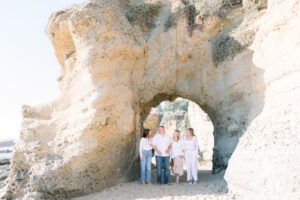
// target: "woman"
[[190, 156], [145, 156], [177, 156]]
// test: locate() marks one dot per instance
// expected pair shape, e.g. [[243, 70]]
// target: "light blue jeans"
[[146, 164]]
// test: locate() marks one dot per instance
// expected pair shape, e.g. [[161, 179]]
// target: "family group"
[[169, 152]]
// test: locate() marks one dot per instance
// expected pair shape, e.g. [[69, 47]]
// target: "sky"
[[28, 66]]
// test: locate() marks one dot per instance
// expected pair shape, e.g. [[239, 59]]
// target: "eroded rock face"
[[265, 164], [151, 122], [116, 66]]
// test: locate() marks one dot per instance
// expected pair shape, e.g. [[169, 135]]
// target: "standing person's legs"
[[187, 159], [158, 166], [143, 165], [166, 161], [177, 179], [148, 165], [194, 167]]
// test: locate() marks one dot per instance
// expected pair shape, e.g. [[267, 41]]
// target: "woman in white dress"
[[145, 156], [177, 156], [190, 143]]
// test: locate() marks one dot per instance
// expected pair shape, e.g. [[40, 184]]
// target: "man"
[[162, 144]]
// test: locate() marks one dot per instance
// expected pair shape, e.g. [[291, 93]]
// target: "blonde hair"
[[177, 132]]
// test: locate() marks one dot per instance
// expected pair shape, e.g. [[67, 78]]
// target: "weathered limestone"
[[151, 122], [265, 164], [114, 71]]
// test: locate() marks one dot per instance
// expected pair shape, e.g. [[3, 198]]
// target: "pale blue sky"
[[28, 67]]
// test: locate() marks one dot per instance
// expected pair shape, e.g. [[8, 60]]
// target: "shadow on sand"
[[209, 186]]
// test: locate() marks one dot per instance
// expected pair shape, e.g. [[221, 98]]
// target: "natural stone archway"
[[117, 64], [182, 114]]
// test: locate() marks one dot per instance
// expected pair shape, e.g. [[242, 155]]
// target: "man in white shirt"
[[162, 144]]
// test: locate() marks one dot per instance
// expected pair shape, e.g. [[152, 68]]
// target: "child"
[[177, 156]]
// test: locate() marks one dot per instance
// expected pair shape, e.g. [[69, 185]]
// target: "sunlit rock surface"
[[120, 59]]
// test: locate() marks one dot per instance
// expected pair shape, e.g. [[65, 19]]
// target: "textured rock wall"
[[265, 164], [151, 122], [117, 64]]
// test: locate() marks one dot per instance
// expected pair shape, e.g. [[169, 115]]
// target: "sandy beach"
[[209, 186]]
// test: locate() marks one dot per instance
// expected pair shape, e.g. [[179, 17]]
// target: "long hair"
[[191, 131], [146, 133], [177, 132]]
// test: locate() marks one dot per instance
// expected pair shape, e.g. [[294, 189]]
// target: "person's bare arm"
[[156, 149], [169, 148], [140, 150]]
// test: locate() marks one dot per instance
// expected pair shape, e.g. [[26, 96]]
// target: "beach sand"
[[209, 187]]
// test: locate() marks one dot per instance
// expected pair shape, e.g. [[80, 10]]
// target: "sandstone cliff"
[[121, 58], [265, 164]]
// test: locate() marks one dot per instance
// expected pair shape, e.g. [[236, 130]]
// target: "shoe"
[[195, 182], [190, 182]]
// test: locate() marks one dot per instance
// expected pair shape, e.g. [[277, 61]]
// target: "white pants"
[[191, 165]]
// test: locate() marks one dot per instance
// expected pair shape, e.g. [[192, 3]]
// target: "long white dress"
[[190, 156]]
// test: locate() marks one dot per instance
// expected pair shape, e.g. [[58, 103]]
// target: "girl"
[[177, 156], [145, 156], [190, 156]]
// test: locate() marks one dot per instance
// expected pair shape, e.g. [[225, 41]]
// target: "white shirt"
[[190, 145], [145, 144], [177, 149], [162, 143]]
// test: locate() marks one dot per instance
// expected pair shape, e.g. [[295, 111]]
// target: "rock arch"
[[114, 71], [182, 114]]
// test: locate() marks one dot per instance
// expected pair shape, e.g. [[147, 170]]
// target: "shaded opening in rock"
[[181, 114]]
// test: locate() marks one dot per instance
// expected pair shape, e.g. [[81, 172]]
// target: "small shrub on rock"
[[232, 3], [225, 46], [252, 5], [143, 15]]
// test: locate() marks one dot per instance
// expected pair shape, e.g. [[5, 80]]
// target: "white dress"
[[177, 149], [176, 152], [190, 156]]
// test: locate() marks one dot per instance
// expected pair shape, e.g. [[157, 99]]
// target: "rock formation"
[[121, 58], [151, 122], [265, 164]]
